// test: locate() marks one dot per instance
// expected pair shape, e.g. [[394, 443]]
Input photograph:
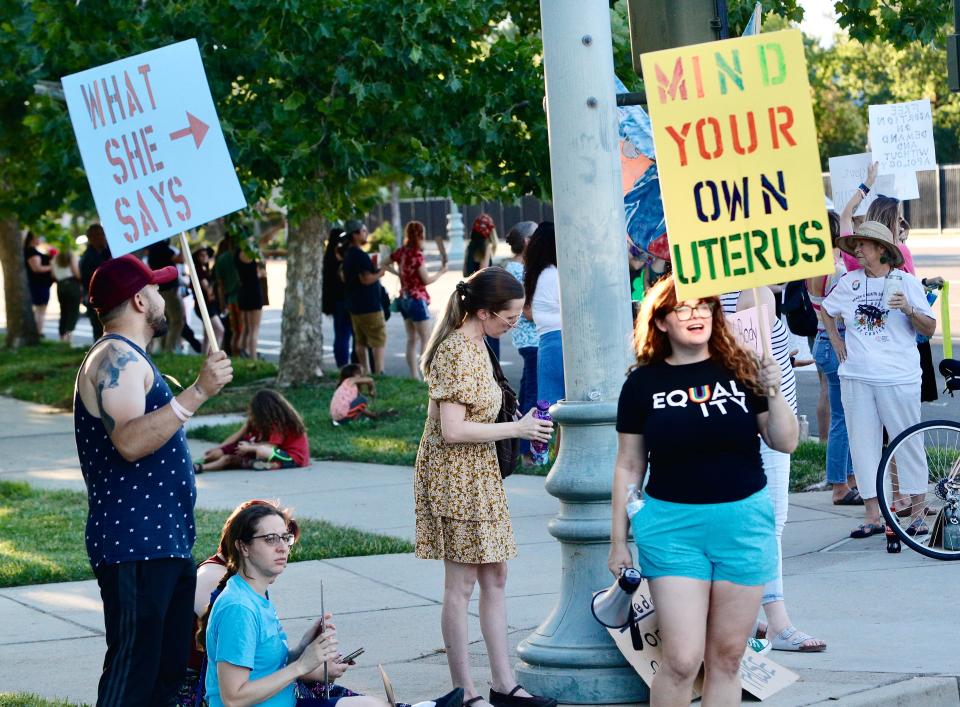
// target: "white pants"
[[868, 409], [776, 467]]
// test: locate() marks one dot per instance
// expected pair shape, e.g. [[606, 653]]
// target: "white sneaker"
[[759, 645]]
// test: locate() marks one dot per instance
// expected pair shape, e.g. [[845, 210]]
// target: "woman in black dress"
[[249, 299], [39, 278]]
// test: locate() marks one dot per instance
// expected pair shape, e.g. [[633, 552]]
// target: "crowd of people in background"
[[232, 283]]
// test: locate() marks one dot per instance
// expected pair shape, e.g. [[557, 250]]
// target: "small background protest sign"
[[748, 330], [849, 171], [151, 145], [759, 675], [738, 161], [901, 136]]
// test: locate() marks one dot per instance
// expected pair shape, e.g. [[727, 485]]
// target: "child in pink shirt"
[[347, 402]]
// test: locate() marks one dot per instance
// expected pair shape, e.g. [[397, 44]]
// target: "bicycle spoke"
[[918, 486]]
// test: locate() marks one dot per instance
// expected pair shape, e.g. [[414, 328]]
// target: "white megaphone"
[[614, 607]]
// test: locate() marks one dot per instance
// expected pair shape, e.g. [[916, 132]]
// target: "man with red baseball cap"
[[140, 485]]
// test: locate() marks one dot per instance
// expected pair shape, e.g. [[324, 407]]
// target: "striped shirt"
[[779, 349]]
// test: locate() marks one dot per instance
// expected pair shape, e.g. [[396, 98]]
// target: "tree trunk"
[[395, 220], [21, 327], [301, 336]]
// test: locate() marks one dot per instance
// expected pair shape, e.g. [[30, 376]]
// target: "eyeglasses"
[[904, 224], [272, 539], [684, 311], [510, 324]]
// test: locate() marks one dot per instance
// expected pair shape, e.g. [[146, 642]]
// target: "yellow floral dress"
[[461, 506]]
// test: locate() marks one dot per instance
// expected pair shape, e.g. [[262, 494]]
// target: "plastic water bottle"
[[893, 540], [804, 428], [540, 451], [634, 502]]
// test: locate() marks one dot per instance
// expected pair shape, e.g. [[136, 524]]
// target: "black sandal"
[[498, 699], [467, 703]]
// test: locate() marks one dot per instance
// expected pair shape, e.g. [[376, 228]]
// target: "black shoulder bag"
[[508, 450]]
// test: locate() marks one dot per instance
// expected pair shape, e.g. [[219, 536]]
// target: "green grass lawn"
[[25, 699], [46, 373], [807, 465], [393, 440], [41, 537]]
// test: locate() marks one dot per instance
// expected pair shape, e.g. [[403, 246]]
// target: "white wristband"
[[181, 412]]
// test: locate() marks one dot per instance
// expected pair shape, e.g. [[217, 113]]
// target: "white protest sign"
[[759, 675], [901, 136], [151, 144], [747, 330], [848, 171]]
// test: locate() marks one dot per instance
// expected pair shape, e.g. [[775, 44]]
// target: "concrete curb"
[[926, 691]]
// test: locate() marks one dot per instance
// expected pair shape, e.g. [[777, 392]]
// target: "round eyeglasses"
[[684, 312]]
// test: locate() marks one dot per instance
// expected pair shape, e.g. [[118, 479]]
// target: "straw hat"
[[878, 233]]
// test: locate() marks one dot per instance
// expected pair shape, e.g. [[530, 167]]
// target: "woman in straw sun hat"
[[883, 309]]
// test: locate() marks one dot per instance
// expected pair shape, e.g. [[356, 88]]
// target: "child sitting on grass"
[[273, 437], [347, 402]]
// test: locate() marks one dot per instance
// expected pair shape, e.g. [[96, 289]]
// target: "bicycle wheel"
[[919, 472]]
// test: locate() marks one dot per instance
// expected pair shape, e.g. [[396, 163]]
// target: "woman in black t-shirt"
[[692, 408]]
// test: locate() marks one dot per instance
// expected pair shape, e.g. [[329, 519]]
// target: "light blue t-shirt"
[[524, 335], [244, 630]]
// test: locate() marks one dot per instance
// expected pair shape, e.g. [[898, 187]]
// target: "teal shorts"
[[733, 542]]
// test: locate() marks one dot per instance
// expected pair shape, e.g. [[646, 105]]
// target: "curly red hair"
[[651, 345]]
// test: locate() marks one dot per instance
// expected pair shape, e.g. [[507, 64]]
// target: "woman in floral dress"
[[461, 506]]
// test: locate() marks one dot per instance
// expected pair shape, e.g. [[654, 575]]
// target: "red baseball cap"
[[117, 280]]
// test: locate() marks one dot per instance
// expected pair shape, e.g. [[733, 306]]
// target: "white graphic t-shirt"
[[881, 342]]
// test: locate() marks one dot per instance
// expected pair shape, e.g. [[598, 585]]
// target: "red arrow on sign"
[[197, 128]]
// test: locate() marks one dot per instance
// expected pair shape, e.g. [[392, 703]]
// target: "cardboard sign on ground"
[[746, 327], [738, 163], [759, 675]]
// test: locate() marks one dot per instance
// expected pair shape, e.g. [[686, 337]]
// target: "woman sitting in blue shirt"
[[248, 660]]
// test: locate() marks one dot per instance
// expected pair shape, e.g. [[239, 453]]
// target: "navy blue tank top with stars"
[[140, 510]]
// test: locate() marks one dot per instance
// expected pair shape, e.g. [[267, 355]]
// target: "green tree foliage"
[[896, 22], [849, 76]]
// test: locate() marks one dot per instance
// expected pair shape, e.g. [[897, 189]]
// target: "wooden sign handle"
[[764, 332], [198, 293]]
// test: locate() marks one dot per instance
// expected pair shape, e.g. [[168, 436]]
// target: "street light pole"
[[570, 656]]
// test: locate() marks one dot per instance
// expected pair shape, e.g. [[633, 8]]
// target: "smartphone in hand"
[[352, 657]]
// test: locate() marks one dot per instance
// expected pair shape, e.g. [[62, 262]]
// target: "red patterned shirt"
[[410, 261]]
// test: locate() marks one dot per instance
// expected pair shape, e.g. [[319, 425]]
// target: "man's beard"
[[158, 323]]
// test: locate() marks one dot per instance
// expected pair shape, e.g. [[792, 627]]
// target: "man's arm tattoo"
[[107, 376]]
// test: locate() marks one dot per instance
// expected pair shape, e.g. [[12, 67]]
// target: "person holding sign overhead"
[[883, 310], [691, 410], [141, 490]]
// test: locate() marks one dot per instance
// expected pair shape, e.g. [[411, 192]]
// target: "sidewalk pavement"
[[890, 640]]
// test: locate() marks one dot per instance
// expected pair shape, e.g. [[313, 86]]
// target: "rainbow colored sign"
[[739, 163]]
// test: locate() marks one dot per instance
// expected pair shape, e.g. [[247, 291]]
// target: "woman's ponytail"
[[492, 289]]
